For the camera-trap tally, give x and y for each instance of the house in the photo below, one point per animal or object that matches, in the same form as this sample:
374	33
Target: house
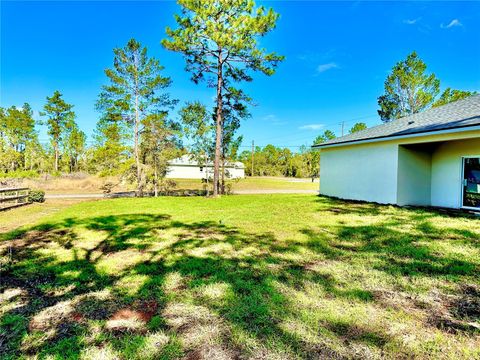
427	159
186	167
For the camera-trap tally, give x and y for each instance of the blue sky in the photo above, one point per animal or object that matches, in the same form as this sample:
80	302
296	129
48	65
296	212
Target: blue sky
337	57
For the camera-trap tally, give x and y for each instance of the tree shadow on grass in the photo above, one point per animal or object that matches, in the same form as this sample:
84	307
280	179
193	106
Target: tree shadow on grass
401	253
195	281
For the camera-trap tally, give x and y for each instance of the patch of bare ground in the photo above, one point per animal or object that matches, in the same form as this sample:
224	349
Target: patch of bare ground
133	318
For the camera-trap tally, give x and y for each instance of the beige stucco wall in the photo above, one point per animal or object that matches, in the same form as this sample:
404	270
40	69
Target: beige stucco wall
414	170
360	172
447	171
390	172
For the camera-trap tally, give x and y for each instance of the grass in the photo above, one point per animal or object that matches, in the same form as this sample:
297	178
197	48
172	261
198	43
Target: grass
257	183
253	276
12	219
93	184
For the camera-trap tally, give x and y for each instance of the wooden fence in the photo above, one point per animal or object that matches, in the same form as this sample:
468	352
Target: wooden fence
13	197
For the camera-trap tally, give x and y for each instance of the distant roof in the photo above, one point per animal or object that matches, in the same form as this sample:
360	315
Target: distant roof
189	160
458	114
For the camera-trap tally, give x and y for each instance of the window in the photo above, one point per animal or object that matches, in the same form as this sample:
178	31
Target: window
471	182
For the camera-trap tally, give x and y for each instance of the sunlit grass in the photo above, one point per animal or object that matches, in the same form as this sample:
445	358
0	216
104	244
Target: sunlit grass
271	276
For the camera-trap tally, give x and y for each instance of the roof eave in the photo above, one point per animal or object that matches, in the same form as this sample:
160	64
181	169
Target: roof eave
394	137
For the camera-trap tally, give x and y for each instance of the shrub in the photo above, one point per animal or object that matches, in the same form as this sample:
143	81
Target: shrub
229	189
36	196
168	185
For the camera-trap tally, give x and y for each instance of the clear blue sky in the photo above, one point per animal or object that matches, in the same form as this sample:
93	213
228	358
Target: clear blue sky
337	57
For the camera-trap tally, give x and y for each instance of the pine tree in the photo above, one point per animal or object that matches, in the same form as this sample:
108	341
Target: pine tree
219	40
450	95
60	115
135	92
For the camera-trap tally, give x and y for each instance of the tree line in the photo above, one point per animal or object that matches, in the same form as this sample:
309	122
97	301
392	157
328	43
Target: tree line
136	134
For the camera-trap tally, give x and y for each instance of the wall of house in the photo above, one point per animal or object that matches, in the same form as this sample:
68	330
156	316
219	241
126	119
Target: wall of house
187	172
360	172
447	171
414	175
195	172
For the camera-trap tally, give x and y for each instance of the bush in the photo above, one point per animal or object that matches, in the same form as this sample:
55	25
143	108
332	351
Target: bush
167	186
36	196
228	189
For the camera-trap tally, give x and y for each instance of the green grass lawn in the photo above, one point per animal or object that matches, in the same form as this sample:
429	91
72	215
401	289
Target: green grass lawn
240	277
257	183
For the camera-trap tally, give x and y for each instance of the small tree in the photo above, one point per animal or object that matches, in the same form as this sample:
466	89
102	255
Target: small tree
74	145
136	91
219	39
327	135
310	161
408	89
110	153
234	111
60	115
159	143
358	127
199	130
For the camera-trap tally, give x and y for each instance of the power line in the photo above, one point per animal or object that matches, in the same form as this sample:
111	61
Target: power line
326	126
279	146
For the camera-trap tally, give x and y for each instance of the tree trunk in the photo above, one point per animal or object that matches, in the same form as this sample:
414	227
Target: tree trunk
206	174
223	174
136	134
55	147
218	128
136	154
136	150
155	180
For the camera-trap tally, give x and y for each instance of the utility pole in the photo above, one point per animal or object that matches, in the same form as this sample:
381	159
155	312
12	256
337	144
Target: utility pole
343	124
253	152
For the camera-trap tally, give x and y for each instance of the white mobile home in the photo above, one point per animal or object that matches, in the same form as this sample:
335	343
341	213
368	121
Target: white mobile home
186	167
427	159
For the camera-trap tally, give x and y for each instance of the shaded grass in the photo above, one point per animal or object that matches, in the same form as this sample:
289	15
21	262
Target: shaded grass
272	276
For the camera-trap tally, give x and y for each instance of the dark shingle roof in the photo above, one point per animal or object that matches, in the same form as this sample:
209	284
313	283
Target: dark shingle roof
458	114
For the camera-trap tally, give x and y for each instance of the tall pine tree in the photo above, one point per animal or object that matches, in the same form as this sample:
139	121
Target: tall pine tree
60	116
219	40
408	89
136	90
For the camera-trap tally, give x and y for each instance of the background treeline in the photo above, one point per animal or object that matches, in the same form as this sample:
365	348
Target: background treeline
22	154
138	133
